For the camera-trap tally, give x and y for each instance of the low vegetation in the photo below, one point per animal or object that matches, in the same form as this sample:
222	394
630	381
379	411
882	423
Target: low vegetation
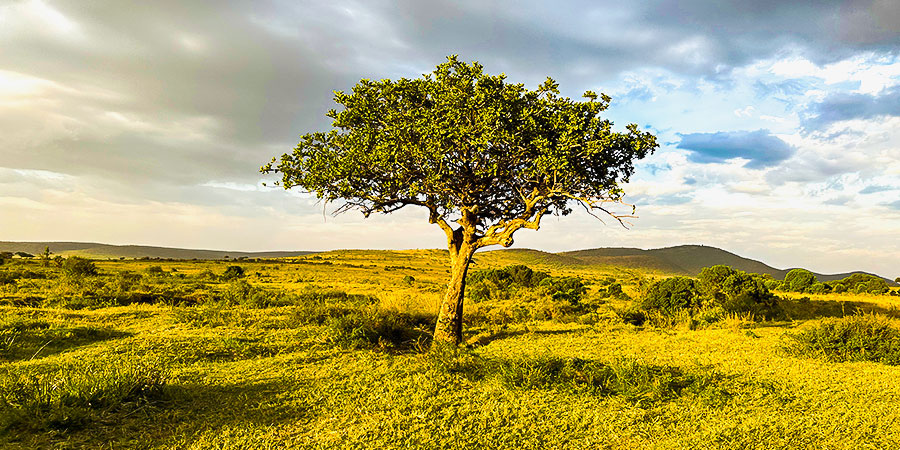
860	337
334	351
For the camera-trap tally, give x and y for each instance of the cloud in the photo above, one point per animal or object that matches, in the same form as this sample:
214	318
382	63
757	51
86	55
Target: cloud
786	87
839	107
877	188
760	147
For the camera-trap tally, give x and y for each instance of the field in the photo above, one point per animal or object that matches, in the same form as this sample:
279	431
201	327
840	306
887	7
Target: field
332	351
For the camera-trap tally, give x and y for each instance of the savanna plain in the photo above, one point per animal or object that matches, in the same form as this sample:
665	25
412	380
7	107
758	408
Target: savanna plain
333	350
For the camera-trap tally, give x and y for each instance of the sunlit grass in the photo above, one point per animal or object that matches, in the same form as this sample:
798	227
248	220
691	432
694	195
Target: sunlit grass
338	364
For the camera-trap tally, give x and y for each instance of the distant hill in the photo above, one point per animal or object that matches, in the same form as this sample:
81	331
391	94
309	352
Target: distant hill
685	260
94	250
679	260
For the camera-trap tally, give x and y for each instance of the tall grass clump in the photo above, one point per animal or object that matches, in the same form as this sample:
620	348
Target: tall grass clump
627	377
377	328
860	337
71	397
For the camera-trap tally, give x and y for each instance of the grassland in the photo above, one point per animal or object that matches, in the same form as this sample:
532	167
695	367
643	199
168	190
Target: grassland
331	351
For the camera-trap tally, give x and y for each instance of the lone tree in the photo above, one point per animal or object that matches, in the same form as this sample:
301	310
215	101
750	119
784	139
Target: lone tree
483	156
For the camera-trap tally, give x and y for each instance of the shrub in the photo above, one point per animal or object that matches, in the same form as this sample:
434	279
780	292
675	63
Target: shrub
565	289
79	267
671	294
387	329
862	337
233	272
799	280
498	284
817	288
633	316
615	291
737	292
155	271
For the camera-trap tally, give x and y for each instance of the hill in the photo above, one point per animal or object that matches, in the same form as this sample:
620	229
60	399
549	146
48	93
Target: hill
95	250
686	260
678	260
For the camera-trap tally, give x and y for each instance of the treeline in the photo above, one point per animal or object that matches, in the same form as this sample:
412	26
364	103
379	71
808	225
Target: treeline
802	280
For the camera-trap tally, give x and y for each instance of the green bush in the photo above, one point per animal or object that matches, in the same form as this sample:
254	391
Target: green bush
863	337
671	294
633	316
233	272
799	280
737	292
79	267
564	289
155	271
500	284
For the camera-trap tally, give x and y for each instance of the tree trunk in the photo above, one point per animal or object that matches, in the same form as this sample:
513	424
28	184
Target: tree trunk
449	322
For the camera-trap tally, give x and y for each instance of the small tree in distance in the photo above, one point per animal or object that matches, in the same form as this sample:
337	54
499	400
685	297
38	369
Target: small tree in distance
484	157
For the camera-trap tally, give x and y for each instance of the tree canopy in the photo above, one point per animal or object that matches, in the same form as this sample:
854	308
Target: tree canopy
485	157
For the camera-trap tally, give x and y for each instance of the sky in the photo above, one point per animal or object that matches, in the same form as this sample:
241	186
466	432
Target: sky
146	122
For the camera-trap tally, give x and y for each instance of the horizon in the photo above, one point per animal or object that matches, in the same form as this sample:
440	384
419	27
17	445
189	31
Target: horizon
779	124
487	249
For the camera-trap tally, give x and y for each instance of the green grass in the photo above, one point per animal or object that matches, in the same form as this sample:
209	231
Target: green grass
312	355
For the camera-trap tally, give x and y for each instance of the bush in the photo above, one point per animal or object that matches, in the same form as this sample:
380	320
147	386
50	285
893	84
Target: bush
737	292
817	288
499	284
862	337
233	272
565	289
671	294
79	267
633	316
155	271
615	291
799	280
860	283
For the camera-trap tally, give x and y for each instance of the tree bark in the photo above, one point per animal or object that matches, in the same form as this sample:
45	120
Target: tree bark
449	323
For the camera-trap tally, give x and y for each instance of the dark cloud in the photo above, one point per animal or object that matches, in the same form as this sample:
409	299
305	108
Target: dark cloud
760	147
183	92
847	106
827	30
